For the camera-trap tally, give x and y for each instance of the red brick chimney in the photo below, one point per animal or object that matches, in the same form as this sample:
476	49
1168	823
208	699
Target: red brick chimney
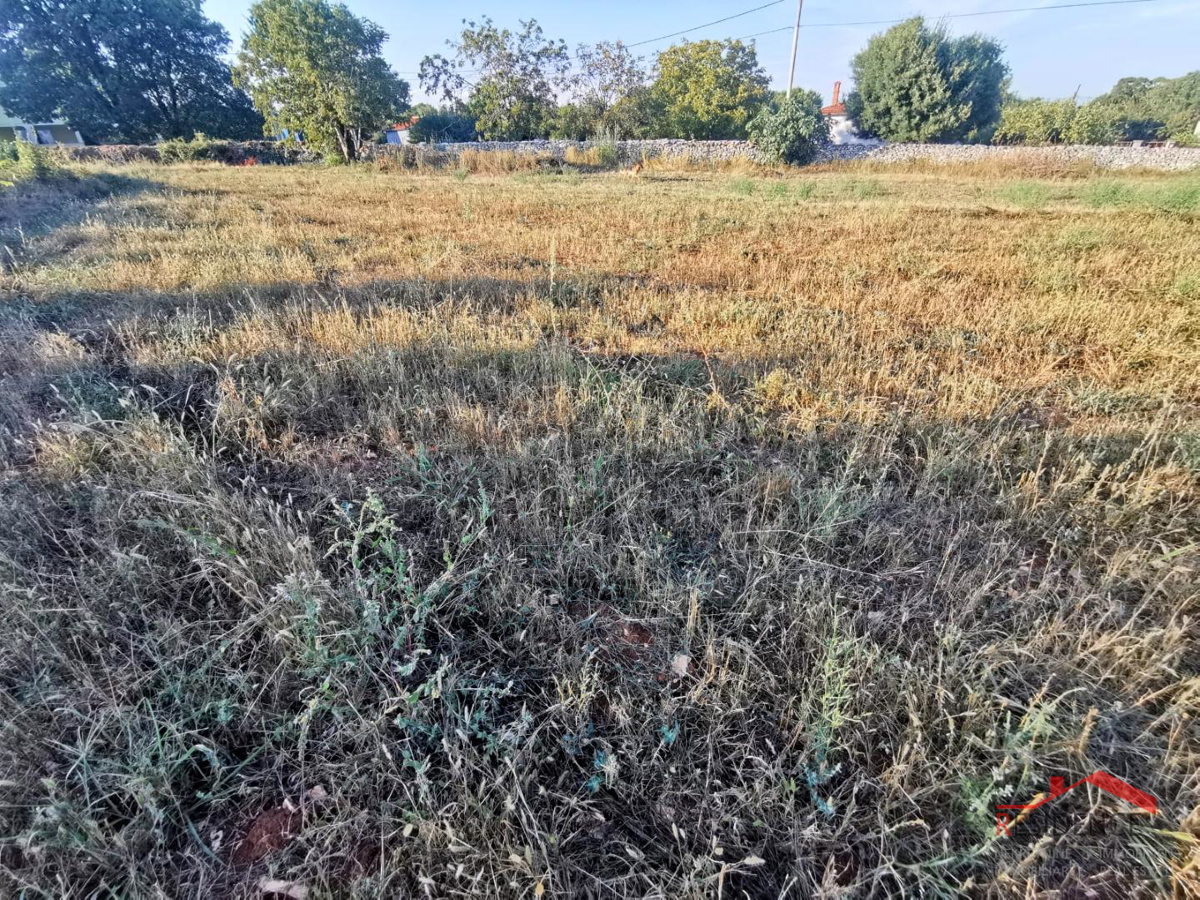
837	92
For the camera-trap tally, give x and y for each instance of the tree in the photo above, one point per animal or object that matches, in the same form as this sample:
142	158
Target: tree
1128	101
1038	121
445	125
709	90
1127	92
607	75
791	130
637	115
915	83
1176	101
572	122
127	70
1156	108
314	67
513	97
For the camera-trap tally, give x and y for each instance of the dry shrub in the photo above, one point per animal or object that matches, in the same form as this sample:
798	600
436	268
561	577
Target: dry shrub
738	165
1023	164
597	156
502	162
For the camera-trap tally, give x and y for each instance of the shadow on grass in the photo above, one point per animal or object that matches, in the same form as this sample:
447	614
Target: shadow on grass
36	209
833	573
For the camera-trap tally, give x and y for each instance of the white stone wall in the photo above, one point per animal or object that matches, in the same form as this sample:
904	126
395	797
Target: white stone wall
1169	159
629	152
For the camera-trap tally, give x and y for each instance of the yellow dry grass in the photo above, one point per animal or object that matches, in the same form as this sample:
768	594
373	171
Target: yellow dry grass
664	534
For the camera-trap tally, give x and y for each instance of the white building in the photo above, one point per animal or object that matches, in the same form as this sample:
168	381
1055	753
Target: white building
398	133
13	129
841	129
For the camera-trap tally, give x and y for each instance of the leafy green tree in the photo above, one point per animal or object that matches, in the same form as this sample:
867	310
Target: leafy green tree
314	67
607	74
446	125
792	129
639	114
1128	92
1037	121
513	96
1176	101
572	122
708	90
916	83
1156	108
1128	101
121	70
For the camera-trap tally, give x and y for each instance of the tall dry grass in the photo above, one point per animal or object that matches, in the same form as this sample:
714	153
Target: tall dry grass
680	535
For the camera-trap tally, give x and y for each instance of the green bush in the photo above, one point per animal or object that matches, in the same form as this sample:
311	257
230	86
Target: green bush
606	154
793	131
442	127
23	162
33	164
1039	121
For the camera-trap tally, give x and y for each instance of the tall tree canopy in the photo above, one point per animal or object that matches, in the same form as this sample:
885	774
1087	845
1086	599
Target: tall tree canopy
512	92
127	70
605	78
916	83
1156	107
709	90
314	67
606	74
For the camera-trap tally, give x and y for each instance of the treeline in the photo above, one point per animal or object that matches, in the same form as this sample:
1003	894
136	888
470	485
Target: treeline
1136	109
138	70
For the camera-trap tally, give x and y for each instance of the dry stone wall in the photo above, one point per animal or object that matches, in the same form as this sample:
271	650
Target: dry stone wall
629	152
1167	159
1171	159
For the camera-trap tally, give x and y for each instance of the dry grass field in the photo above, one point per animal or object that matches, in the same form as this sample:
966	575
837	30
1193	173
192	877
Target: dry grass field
691	534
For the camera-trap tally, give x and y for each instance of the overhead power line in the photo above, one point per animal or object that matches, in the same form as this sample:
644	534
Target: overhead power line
987	12
705	25
967	15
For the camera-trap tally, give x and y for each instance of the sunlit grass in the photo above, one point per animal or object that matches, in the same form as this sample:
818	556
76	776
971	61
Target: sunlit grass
522	531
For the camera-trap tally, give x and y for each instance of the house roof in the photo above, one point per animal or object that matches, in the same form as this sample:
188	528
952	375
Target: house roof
404	126
835	107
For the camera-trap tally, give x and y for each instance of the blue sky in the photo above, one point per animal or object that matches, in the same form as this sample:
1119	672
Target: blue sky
1051	52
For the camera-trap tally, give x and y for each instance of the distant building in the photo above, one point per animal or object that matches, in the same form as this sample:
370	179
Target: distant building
398	133
56	132
841	129
836	109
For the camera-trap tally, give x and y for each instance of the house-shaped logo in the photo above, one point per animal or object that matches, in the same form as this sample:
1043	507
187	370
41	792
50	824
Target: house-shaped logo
1111	784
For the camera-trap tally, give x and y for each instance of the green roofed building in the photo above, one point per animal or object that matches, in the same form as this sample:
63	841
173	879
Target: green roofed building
57	132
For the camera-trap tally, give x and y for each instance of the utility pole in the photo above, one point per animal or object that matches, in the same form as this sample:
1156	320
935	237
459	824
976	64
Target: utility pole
795	45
